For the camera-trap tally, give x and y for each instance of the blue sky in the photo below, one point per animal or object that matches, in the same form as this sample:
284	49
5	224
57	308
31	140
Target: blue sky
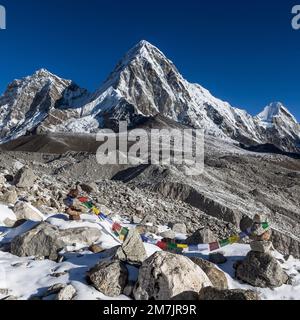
245	52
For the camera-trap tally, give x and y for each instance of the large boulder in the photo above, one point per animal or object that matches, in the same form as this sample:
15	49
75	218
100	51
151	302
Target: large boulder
285	244
24	210
178	228
25	178
210	293
201	236
42	241
47	240
165	276
109	277
261	246
215	275
133	249
261	270
83	235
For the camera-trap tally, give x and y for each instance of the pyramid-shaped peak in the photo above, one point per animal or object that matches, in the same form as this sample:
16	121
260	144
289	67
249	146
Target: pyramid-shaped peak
274	109
143	49
145	43
43	72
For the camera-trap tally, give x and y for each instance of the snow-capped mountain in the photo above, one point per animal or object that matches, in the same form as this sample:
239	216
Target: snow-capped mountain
143	84
146	83
28	102
280	127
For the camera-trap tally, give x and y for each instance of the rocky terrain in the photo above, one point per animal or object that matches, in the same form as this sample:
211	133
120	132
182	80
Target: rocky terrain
48	145
156	200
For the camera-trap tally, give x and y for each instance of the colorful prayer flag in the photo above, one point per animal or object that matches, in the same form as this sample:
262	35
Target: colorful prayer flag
243	235
182	246
172	246
96	211
162	245
83	199
224	242
124	232
214	246
265	225
234	239
202	247
193	247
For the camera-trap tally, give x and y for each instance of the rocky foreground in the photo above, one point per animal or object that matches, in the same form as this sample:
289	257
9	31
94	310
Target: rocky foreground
45	256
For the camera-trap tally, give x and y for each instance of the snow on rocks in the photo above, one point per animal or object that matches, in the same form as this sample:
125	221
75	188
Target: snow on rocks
46	240
24	210
166	276
6	213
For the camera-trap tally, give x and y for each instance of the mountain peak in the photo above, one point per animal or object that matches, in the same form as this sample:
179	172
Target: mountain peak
273	110
144	43
44	73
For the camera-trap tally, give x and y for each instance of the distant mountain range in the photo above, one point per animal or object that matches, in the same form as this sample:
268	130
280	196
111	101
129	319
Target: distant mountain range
144	84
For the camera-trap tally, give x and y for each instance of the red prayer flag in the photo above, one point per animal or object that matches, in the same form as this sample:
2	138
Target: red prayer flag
83	199
162	245
214	246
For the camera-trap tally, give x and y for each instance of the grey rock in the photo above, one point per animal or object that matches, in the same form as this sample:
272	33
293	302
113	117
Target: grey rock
261	246
10	196
148	219
285	244
261	270
132	250
66	293
25	178
215	275
210	293
2	180
167	276
135	220
46	240
23	210
109	277
89	188
179	228
201	236
170	234
56	288
217	258
9	223
128	290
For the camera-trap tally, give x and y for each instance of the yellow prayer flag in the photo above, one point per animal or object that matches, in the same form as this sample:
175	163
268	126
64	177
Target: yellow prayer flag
234	239
182	246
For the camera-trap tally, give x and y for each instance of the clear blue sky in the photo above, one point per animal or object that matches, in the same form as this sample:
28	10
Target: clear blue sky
242	51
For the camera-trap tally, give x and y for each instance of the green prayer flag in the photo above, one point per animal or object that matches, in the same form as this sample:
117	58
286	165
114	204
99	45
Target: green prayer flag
224	242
